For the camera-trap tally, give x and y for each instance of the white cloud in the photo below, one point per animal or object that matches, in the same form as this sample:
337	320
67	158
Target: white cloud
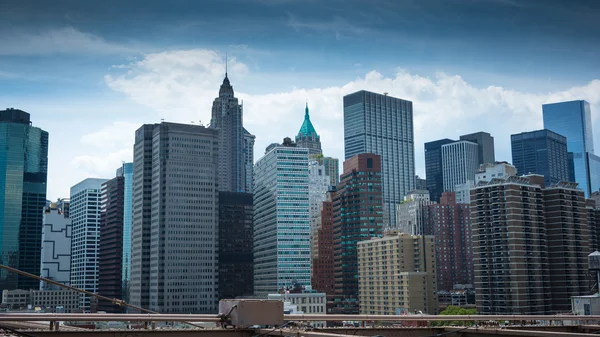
14	41
180	86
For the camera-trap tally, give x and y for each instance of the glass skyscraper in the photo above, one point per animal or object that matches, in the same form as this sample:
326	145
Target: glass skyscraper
573	120
433	168
23	175
126	171
383	125
541	152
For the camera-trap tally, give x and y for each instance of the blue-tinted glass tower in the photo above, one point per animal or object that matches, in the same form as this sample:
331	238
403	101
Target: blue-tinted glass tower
23	175
383	125
573	120
541	152
433	168
126	171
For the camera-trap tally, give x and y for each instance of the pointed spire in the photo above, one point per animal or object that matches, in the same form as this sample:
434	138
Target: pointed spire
307	129
306	111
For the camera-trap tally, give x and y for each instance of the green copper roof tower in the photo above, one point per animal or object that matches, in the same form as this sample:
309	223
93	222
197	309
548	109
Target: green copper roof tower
307	136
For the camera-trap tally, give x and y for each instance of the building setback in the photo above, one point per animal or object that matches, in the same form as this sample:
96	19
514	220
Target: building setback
357	216
56	245
281	218
110	258
322	254
383	125
541	152
485	150
175	218
397	275
23	176
236	269
85	209
433	168
450	224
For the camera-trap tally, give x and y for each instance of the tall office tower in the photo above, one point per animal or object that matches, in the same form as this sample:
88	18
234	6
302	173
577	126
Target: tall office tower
568	238
420	184
383	125
541	152
433	168
249	159
485	142
318	185
56	246
307	136
126	171
175	218
236	267
450	224
23	175
332	168
281	218
110	255
509	246
573	120
409	215
397	275
459	163
85	210
357	215
322	266
227	117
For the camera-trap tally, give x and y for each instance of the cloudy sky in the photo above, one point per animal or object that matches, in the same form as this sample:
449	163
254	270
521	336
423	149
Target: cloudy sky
91	72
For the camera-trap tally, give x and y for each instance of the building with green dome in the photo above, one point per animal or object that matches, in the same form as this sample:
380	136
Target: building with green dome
307	136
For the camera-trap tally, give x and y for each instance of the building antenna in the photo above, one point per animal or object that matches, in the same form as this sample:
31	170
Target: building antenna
225	64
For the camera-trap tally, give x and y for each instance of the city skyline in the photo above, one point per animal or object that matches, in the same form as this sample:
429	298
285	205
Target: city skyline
73	71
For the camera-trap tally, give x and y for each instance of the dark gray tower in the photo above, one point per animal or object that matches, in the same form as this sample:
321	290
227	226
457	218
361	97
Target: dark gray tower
486	146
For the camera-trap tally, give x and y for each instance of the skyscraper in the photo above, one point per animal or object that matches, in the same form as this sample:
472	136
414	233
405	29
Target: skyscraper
322	244
433	168
249	159
110	255
56	245
85	212
573	120
357	216
541	152
281	218
23	175
485	142
409	215
234	140
383	125
175	218
459	163
236	265
126	171
332	168
318	185
307	136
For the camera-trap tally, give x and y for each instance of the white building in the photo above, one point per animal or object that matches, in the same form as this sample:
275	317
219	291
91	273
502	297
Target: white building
460	161
281	218
306	302
84	210
318	184
56	245
409	213
487	172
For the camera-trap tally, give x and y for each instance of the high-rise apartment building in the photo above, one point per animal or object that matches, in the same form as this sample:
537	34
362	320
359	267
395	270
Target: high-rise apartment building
307	136
281	218
450	224
56	245
593	220
322	254
574	121
485	142
110	255
175	218
541	152
318	185
234	141
126	171
332	168
383	125
459	163
568	239
85	211
409	215
236	269
433	168
357	216
510	246
397	275
23	175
